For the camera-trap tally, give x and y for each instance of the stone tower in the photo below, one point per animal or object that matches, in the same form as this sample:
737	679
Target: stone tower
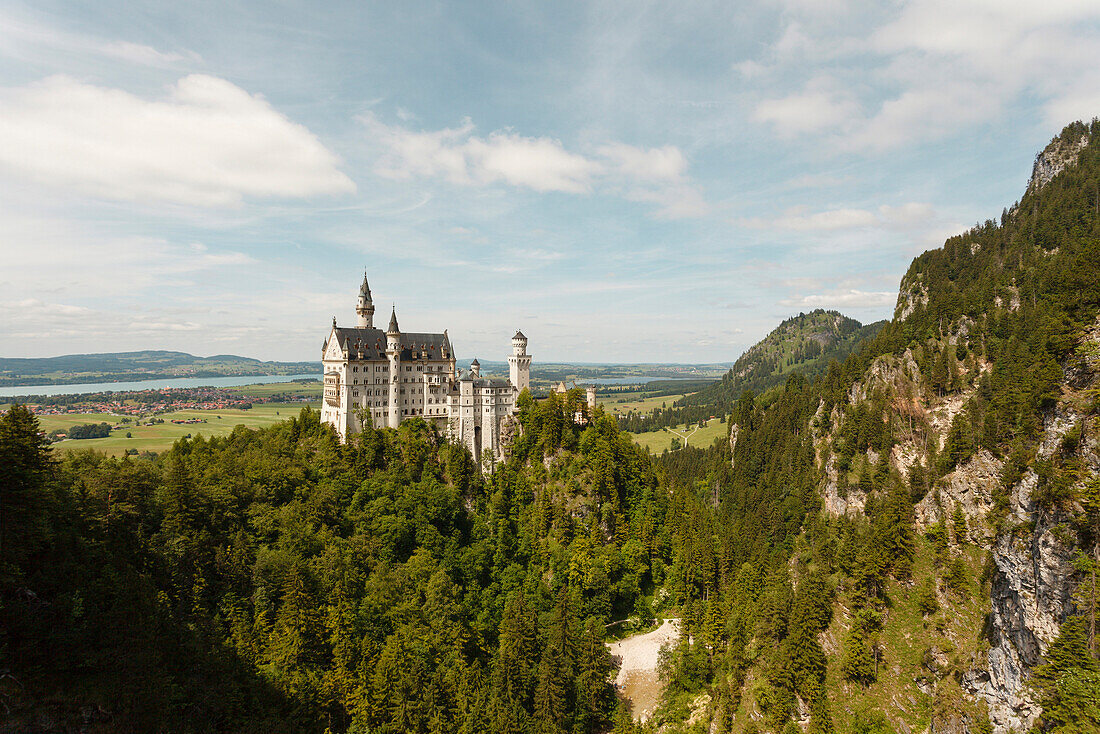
393	352
519	363
364	306
591	396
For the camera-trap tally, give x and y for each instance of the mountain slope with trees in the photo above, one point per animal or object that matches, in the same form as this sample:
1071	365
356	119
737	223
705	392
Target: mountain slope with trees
806	344
920	524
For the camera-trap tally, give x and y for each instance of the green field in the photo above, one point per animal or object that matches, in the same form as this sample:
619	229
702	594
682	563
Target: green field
624	402
161	436
658	441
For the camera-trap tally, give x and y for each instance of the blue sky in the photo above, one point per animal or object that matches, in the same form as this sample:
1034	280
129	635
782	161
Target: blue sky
656	182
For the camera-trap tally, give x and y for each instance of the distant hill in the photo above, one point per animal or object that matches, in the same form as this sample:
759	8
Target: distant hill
805	343
149	364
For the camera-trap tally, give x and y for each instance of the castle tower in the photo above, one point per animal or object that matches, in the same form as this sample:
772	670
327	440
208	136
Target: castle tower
519	363
475	368
364	306
393	352
591	395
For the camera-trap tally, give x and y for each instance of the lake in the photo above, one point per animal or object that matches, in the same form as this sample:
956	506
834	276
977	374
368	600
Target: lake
232	381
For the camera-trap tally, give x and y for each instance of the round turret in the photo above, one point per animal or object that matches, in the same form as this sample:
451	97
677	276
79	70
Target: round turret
519	344
475	368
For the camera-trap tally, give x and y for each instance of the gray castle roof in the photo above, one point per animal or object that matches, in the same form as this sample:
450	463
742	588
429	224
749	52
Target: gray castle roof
519	335
393	322
372	344
364	290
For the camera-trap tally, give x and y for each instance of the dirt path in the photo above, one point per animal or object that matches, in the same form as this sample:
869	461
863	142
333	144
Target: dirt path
637	679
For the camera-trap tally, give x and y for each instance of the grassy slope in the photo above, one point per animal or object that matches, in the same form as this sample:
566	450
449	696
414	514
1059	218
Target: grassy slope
908	641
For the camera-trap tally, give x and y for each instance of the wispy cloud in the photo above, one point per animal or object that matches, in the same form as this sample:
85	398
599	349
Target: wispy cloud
906	216
926	70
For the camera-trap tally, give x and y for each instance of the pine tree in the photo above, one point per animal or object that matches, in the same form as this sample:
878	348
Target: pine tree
1068	682
858	663
25	468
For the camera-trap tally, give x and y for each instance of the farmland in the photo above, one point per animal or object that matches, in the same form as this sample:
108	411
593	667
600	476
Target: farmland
160	436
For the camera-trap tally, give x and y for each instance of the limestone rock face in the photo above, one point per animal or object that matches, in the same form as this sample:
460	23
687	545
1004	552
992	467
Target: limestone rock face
1055	158
1031	593
971	488
510	430
912	294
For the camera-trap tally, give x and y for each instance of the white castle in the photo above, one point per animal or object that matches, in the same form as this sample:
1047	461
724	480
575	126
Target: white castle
389	376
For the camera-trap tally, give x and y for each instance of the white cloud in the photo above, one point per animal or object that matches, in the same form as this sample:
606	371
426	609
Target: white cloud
842	298
541	164
882	78
810	110
210	143
457	155
138	53
912	215
675	202
653	164
28	40
796	219
652	175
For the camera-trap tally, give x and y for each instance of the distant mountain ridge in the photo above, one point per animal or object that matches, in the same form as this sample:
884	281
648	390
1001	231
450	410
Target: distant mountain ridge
147	364
804	344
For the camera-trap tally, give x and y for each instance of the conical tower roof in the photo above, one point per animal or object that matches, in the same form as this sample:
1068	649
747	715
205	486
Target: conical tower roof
393	328
364	290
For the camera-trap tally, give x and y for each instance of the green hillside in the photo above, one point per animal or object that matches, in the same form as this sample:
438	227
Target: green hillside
144	365
805	344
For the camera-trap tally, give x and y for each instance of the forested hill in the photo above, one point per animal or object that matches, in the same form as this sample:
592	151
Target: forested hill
144	365
931	507
804	344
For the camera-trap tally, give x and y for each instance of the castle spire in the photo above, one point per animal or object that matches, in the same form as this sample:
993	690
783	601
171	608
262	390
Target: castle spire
393	323
364	306
364	290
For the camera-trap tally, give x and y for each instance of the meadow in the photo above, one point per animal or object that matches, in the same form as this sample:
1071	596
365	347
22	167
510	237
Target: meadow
639	400
658	441
161	436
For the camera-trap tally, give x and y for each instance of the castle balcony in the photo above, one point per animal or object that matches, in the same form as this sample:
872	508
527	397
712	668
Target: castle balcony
332	388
